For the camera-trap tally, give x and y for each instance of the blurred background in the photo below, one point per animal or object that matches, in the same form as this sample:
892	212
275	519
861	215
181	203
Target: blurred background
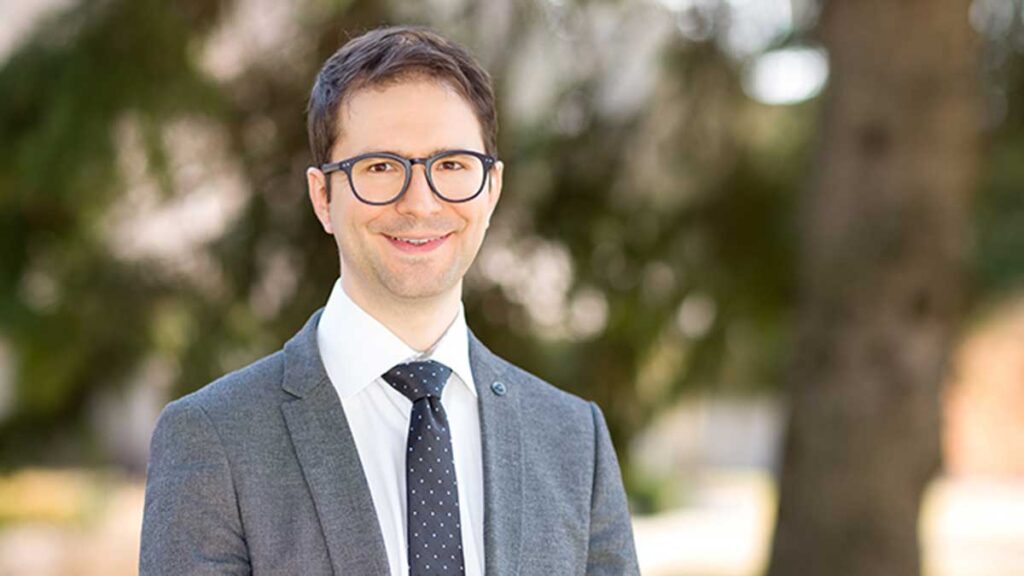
780	242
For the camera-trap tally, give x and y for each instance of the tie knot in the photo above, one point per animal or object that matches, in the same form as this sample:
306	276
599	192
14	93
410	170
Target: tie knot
418	379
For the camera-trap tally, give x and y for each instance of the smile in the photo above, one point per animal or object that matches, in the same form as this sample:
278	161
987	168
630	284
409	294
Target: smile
417	244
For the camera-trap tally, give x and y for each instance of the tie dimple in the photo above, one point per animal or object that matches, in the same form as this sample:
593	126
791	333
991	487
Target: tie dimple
416	380
433	526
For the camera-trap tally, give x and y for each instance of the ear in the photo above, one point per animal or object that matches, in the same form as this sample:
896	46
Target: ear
494	183
316	182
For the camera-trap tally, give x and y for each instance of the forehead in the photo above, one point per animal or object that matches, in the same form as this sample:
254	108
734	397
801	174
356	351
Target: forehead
413	117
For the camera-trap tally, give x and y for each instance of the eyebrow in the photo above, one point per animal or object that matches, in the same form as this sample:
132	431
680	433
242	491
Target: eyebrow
403	155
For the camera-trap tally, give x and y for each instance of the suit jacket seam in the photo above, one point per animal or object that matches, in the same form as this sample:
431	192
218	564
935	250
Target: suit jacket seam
595	436
231	472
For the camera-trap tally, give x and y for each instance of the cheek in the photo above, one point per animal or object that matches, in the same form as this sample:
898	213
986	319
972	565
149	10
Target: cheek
348	217
475	227
349	224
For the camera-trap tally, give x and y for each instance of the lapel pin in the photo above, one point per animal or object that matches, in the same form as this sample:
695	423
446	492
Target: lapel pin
499	388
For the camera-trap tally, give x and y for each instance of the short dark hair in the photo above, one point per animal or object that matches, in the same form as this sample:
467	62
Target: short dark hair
387	55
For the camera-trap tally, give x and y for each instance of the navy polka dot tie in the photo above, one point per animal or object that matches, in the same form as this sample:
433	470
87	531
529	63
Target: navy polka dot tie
432	514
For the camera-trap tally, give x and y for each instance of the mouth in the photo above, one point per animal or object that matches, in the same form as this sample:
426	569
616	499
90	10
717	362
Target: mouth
417	244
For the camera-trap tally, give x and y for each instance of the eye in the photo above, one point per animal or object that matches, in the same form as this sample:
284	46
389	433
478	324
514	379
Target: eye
380	167
449	164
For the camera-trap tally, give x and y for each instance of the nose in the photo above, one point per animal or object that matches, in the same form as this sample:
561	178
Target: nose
419	199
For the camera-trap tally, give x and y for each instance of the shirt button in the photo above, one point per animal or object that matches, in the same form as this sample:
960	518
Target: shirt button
499	388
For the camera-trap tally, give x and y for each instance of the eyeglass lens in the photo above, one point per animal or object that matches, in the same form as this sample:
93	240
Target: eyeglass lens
455	177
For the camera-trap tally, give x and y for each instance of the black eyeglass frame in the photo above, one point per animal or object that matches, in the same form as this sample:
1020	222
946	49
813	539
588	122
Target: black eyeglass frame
346	165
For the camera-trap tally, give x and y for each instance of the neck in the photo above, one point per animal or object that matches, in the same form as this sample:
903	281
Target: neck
419	322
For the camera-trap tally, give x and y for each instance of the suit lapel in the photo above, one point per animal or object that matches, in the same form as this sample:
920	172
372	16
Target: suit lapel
329	460
502	461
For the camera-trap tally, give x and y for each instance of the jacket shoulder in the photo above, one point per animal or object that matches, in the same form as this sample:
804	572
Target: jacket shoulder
535	385
252	387
543	400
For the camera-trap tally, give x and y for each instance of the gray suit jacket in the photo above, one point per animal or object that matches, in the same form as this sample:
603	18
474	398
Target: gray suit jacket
258	473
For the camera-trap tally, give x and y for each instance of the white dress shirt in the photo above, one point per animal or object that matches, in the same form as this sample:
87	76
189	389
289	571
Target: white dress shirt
356	350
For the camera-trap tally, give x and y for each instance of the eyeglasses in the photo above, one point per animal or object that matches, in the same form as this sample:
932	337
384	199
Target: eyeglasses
380	178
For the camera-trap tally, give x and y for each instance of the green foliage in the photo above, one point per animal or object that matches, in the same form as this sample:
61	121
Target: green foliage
76	316
999	216
647	216
685	201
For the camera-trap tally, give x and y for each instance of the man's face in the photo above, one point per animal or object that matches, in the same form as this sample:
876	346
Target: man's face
414	118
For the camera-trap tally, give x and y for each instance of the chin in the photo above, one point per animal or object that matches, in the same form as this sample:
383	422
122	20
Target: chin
419	288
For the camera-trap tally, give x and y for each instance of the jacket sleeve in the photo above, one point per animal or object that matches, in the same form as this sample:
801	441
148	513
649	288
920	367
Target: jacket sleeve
611	549
191	523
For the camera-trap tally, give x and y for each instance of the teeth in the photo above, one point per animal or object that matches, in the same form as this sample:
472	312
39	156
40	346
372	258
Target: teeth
416	242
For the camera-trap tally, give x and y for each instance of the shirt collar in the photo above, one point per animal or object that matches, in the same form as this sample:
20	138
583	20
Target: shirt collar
357	349
452	350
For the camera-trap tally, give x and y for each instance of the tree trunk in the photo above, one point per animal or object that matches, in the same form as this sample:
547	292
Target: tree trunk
884	223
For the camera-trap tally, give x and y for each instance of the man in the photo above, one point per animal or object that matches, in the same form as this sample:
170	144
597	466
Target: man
385	438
